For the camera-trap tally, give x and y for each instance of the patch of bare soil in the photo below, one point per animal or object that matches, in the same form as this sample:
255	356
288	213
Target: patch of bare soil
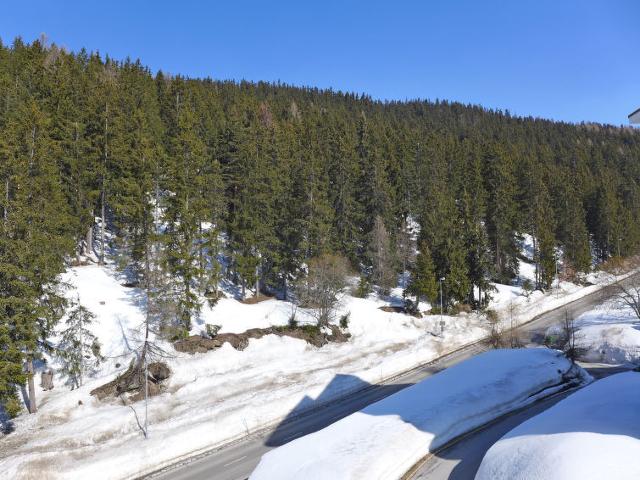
253	300
310	334
396	309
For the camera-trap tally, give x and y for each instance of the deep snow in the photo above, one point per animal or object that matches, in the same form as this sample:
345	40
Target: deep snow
593	434
608	334
222	395
387	438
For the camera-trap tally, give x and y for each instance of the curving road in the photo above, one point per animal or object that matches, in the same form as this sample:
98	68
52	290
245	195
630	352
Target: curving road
237	461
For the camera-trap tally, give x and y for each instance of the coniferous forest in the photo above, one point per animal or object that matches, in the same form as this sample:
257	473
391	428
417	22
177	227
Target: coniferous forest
195	180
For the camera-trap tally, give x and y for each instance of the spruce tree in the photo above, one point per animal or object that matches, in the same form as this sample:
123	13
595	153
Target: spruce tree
79	348
423	283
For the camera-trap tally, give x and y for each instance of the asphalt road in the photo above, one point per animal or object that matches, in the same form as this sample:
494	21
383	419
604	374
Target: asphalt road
237	461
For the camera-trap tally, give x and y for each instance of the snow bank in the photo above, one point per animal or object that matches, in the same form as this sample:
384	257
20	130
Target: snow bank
617	343
609	334
211	398
592	434
219	396
388	437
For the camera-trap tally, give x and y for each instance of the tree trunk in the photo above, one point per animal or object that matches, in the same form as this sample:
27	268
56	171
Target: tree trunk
6	200
284	287
32	387
88	248
257	281
102	227
104	175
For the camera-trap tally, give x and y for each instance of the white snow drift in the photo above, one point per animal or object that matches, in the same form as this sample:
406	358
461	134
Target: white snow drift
592	434
219	396
609	334
388	437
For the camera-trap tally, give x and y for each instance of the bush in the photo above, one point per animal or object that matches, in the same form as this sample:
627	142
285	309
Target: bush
212	330
213	297
323	286
411	307
13	407
175	333
344	320
527	288
363	289
461	308
492	316
311	329
496	334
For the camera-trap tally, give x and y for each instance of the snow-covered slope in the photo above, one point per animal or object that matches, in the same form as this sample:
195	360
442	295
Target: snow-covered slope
219	396
592	434
387	438
211	398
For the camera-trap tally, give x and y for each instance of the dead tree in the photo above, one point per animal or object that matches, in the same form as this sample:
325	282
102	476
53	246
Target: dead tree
627	294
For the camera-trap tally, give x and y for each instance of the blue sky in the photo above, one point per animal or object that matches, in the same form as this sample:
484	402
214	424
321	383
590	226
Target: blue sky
569	60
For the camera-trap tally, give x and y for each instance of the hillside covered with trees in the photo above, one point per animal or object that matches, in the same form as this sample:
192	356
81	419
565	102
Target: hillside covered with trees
202	179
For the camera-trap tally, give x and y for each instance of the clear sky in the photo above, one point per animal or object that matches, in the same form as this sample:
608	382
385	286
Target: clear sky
570	60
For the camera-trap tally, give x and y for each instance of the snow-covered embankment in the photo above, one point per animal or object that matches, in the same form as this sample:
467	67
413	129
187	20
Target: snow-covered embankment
388	437
592	434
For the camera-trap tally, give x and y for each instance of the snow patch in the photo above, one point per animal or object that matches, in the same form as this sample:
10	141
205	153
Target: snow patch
592	434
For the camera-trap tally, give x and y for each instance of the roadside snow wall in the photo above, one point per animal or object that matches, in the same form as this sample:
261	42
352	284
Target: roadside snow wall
384	440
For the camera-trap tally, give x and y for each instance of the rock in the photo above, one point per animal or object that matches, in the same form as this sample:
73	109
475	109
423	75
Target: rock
158	372
237	341
132	382
197	344
240	341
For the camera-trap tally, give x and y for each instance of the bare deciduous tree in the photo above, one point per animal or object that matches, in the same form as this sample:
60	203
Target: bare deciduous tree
383	273
627	294
570	337
322	288
496	332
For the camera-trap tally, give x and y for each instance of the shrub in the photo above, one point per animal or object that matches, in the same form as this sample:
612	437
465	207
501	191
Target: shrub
323	286
311	329
411	307
496	334
461	308
212	330
175	333
527	288
344	320
13	407
213	297
364	288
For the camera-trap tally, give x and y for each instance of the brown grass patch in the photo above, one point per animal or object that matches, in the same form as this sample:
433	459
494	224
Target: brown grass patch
253	300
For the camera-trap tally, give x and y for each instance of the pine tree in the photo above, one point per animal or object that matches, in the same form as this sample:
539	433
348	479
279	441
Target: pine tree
423	283
501	211
79	349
